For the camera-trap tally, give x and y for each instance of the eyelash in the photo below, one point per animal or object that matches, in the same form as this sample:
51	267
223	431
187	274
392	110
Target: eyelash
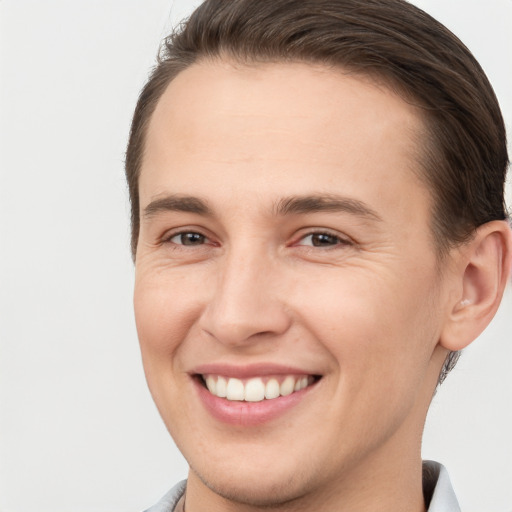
338	240
203	239
168	239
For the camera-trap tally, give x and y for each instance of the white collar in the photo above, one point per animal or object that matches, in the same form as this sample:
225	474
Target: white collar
436	483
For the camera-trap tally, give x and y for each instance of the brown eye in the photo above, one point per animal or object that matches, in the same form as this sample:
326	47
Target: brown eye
322	240
188	238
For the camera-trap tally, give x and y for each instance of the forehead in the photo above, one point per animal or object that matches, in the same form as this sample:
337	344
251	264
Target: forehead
304	126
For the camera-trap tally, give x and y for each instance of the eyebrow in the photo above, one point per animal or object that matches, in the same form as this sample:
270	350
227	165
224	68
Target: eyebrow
325	203
286	206
176	203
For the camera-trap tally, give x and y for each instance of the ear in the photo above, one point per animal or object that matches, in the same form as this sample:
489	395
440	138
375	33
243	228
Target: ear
483	267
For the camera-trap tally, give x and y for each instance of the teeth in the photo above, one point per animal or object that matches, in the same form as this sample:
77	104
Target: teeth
301	384
222	385
255	389
287	386
211	384
272	389
235	390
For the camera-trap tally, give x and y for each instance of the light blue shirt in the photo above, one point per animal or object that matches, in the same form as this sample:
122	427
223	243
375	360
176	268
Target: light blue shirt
436	483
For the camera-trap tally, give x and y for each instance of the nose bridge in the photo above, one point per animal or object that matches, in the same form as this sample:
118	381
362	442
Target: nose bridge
246	299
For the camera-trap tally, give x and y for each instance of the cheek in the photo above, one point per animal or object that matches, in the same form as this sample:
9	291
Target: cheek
165	308
374	323
380	338
164	316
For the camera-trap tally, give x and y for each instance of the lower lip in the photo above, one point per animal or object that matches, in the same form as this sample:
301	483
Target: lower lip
248	413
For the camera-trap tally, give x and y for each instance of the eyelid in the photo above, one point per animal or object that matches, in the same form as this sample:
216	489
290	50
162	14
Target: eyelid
343	240
170	234
202	238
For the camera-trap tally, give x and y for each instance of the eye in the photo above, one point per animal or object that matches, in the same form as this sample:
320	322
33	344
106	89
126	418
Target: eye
322	240
188	238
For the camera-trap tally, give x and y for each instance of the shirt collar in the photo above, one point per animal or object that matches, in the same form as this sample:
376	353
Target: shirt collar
437	488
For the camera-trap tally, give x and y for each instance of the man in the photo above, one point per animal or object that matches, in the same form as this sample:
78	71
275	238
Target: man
318	230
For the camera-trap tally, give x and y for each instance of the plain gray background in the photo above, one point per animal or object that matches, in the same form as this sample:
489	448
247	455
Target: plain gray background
78	430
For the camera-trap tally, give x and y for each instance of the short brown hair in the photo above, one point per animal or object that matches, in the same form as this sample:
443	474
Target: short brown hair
463	150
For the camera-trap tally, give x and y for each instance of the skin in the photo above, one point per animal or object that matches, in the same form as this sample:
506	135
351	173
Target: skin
365	309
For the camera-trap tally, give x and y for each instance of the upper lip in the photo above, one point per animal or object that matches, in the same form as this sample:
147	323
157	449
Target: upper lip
249	370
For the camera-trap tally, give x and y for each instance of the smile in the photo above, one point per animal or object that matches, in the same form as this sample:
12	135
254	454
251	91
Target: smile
252	395
255	389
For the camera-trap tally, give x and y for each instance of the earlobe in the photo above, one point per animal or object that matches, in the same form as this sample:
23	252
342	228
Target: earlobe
484	268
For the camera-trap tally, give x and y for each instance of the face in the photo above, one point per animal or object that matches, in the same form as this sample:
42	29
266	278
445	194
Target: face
285	260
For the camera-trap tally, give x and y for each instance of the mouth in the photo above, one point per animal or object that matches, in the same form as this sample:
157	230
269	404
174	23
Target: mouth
255	389
253	395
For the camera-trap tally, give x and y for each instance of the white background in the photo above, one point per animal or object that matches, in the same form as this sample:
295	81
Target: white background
78	430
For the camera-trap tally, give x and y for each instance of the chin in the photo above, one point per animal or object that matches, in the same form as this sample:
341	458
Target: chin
262	488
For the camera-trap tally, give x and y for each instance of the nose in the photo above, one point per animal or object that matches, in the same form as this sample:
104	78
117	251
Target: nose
246	303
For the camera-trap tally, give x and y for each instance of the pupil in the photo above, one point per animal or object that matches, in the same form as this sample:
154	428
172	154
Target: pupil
323	239
192	239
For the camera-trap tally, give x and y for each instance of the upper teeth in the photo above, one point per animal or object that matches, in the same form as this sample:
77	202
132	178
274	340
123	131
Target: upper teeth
255	389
